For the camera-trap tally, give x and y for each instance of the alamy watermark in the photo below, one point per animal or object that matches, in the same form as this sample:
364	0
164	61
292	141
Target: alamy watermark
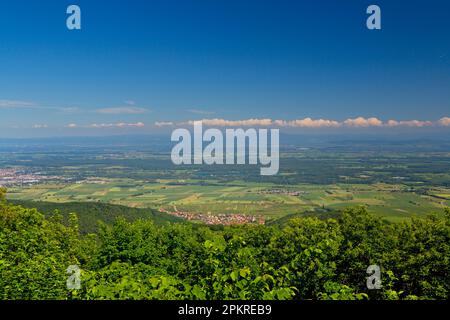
374	279
74	280
73	21
240	147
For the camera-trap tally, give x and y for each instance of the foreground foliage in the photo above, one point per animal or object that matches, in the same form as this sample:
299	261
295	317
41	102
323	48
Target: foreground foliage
306	258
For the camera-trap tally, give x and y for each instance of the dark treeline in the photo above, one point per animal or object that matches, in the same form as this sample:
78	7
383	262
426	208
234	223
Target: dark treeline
303	258
89	214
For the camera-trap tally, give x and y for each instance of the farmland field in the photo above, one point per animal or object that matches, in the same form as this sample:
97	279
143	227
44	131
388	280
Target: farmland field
394	185
392	201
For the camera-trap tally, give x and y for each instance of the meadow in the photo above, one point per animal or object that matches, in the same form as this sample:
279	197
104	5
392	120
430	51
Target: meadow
273	201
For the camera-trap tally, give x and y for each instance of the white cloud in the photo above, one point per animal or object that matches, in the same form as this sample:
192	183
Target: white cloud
72	125
307	123
122	110
235	123
39	126
117	125
408	123
19	104
445	121
163	123
298	123
363	122
7	104
123	124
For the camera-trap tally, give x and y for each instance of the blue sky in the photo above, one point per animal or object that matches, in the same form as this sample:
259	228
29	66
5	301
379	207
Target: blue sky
135	63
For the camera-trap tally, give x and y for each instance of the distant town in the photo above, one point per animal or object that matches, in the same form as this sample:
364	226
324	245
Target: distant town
22	177
216	219
284	192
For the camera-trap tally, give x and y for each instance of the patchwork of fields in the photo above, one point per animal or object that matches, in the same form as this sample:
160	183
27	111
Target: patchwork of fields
394	179
238	197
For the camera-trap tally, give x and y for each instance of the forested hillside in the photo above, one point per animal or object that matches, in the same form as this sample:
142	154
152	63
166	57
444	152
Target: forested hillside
304	258
91	213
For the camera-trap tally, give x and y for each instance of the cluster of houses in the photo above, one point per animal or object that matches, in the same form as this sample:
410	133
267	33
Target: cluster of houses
217	219
12	177
284	192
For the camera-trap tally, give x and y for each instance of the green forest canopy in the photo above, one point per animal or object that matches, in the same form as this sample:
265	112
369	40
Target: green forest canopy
304	258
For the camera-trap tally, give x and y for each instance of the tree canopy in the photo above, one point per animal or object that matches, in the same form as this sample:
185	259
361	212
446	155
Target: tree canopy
305	258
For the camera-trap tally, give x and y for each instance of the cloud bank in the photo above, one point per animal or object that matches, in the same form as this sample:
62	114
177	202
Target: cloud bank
358	122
